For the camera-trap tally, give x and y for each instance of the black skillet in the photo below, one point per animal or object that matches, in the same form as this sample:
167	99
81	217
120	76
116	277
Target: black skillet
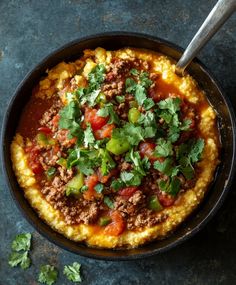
216	97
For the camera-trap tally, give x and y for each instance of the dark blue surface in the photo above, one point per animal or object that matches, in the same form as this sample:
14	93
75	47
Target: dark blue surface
29	30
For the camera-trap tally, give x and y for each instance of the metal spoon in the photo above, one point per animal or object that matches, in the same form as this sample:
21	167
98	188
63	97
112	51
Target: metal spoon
218	15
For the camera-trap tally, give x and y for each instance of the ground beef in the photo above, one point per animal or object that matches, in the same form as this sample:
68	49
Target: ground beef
145	218
49	159
47	117
65	174
131	206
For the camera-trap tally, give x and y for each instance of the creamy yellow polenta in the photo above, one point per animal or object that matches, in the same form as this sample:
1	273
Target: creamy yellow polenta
186	202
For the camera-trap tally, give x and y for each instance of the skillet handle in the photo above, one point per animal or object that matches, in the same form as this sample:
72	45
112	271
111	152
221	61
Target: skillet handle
218	15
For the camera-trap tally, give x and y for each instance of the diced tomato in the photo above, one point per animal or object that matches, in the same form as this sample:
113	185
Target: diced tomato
55	120
127	192
96	121
117	226
147	149
45	130
91	182
33	159
105	178
104	132
165	199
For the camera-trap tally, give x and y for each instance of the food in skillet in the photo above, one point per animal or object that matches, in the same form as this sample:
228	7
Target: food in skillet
114	149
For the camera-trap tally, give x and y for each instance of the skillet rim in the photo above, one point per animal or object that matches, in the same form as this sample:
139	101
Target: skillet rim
44	229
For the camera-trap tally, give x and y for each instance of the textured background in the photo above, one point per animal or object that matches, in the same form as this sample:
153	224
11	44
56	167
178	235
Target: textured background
29	30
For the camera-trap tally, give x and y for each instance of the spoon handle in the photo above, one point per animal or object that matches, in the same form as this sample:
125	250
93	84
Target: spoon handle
218	15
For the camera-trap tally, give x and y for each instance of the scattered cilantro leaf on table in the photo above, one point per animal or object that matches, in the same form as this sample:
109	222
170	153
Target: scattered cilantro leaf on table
21	242
72	272
20	246
18	258
48	274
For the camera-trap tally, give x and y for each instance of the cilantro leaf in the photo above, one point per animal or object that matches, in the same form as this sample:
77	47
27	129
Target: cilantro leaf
134	134
171	186
164	148
18	258
170	104
72	272
187	171
48	274
84	159
70	119
120	99
185	126
88	136
173	134
134	72
131	178
139	89
140	165
108	110
99	188
126	176
103	112
167	167
117	184
107	163
108	202
148	103
95	79
140	94
196	150
92	96
187	154
130	85
144	80
96	76
21	242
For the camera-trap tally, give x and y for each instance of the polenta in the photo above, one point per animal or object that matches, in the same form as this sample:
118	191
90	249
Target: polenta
114	149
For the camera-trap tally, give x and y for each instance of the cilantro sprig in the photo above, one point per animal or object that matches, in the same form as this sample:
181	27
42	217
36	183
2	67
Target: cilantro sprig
48	274
108	110
72	272
20	254
138	88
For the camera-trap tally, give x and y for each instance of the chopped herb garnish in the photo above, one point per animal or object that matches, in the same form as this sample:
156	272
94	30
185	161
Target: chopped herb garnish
139	88
164	148
108	202
108	110
166	167
107	163
120	99
99	188
88	136
70	117
117	184
171	186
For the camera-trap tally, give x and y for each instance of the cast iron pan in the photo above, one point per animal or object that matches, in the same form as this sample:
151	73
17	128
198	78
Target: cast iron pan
216	97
